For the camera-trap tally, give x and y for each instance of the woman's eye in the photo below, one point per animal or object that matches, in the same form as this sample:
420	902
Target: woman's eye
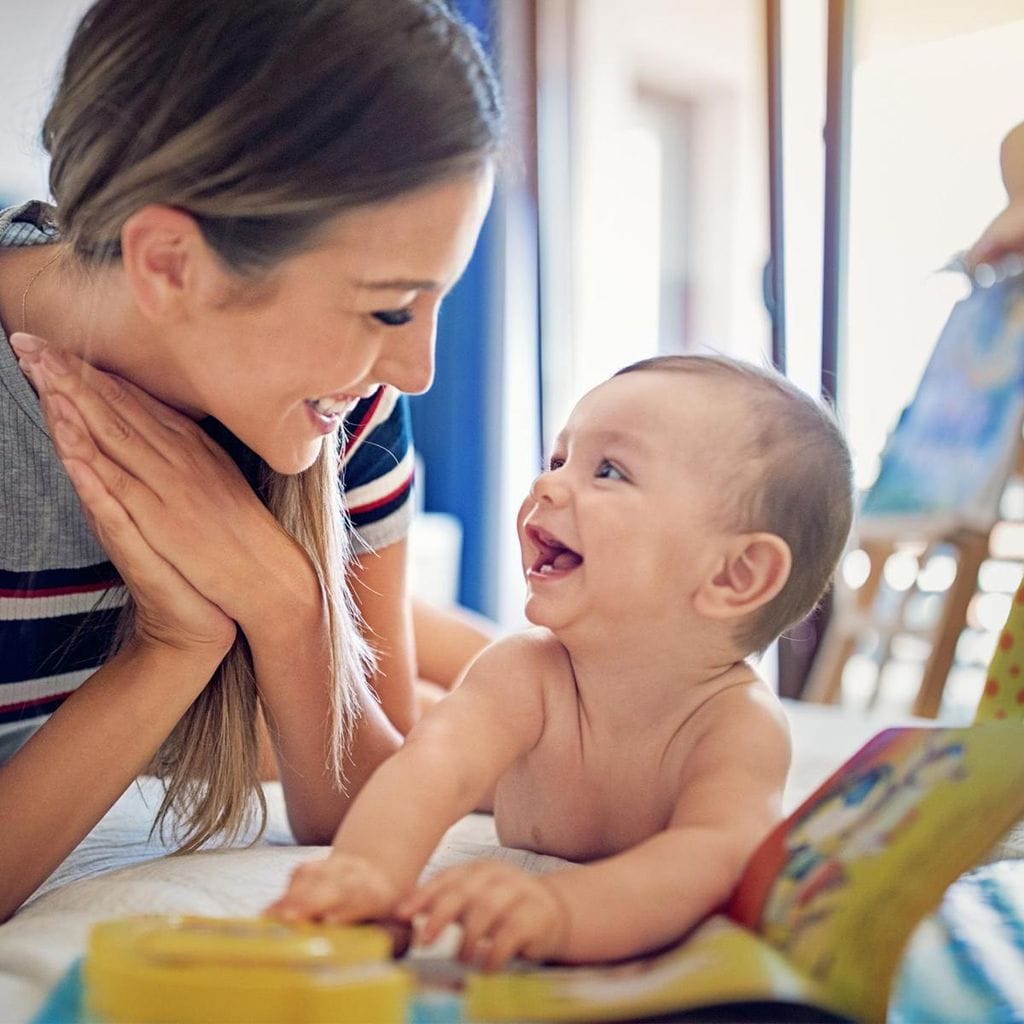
393	317
609	471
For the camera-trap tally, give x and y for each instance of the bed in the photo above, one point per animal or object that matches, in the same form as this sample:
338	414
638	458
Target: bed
119	869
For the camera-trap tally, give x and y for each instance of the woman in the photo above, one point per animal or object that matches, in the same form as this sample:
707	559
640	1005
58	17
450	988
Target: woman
259	207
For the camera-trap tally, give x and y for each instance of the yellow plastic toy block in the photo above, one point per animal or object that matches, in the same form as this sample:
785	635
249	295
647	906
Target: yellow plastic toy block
188	970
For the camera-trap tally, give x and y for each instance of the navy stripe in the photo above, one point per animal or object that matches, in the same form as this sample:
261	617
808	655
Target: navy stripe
380	512
380	451
45	579
33	648
40	710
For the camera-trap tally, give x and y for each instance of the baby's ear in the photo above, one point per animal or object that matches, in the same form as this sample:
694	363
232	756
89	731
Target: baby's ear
754	567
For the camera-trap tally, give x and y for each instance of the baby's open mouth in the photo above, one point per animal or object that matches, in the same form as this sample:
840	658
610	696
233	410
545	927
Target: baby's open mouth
553	555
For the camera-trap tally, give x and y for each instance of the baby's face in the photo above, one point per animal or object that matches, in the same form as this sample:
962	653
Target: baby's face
627	519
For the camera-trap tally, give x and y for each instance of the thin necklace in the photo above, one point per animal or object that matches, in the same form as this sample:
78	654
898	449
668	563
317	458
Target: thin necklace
24	298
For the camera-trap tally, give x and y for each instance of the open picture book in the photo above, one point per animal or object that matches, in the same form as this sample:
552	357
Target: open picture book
828	902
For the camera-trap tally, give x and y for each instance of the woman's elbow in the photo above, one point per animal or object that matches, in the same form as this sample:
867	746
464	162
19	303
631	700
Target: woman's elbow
312	833
10	904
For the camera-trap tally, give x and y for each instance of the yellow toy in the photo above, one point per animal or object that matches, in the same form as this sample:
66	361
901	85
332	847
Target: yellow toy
187	970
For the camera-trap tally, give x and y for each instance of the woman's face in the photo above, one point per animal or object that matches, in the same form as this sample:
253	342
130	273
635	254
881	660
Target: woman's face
332	323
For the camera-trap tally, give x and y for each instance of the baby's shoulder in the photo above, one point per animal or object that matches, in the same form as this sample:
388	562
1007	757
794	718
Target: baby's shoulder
748	715
531	652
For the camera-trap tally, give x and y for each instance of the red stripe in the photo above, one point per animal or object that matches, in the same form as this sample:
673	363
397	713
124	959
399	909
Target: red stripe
369	416
371	505
21	706
82	588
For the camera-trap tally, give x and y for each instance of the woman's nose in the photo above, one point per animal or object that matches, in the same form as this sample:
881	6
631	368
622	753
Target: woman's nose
407	363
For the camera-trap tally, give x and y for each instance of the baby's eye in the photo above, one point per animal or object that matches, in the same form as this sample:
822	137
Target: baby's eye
393	317
556	462
609	471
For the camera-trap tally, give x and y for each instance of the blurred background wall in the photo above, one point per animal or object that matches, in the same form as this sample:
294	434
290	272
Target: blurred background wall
632	218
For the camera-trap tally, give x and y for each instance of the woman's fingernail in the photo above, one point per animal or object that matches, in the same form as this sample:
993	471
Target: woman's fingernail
54	361
25	343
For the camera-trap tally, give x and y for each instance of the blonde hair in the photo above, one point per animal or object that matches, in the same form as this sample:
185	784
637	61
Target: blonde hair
262	119
801	487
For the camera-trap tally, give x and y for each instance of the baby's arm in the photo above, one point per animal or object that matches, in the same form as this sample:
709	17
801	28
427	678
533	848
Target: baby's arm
730	796
451	759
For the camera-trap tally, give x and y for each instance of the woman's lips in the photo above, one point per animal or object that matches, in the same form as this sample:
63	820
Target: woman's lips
327	418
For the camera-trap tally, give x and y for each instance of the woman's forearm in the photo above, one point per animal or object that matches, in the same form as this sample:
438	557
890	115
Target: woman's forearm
291	658
69	774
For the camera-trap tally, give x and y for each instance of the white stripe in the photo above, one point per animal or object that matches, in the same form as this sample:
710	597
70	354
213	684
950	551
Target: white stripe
383	485
384	409
22	608
45	686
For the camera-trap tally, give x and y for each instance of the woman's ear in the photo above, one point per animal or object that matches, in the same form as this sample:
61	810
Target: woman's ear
166	261
753	569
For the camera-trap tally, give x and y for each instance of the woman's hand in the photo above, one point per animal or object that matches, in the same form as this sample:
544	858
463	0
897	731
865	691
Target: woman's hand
504	912
169	506
1003	237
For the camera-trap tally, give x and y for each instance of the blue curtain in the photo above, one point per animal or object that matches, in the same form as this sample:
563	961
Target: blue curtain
454	424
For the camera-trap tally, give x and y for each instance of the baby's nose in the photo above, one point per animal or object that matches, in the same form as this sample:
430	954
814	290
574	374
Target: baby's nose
548	487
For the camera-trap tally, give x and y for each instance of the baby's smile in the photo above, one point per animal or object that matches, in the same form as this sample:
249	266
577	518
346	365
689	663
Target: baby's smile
553	557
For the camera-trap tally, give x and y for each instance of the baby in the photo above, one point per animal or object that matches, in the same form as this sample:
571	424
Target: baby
693	508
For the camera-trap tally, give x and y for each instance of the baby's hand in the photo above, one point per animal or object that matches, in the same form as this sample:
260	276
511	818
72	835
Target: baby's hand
504	912
340	889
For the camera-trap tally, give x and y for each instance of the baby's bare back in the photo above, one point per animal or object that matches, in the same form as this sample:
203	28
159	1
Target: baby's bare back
587	791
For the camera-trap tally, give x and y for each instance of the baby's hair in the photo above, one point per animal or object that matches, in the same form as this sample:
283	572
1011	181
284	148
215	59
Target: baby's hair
795	476
262	120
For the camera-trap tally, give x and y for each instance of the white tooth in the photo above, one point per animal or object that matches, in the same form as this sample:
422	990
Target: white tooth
544	569
329	407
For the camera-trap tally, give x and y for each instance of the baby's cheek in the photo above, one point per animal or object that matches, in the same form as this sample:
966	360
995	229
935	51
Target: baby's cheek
524	511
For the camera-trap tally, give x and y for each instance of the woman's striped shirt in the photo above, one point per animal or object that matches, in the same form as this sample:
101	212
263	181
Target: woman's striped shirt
59	595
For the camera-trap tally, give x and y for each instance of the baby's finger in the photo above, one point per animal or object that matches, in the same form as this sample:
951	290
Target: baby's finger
445	909
483	914
423	896
512	935
358	905
305	901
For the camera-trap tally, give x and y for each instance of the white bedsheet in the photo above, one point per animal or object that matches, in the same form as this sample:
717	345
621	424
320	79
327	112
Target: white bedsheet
118	869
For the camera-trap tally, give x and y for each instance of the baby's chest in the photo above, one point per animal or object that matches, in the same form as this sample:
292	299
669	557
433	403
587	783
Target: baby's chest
560	805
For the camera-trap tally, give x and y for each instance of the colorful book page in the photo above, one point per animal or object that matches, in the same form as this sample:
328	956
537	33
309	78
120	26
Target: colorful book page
718	964
838	888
